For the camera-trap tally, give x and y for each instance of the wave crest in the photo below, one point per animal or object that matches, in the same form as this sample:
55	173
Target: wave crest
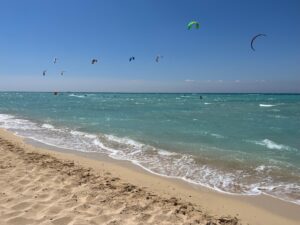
272	145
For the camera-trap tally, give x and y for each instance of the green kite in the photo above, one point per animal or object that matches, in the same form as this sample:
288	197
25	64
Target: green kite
193	23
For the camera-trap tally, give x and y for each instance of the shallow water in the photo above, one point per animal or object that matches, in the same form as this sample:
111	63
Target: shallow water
234	143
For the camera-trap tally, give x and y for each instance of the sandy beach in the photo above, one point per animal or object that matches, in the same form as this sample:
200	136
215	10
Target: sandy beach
41	186
150	112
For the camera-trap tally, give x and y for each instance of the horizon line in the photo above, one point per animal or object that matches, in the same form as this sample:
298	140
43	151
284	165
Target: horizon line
121	92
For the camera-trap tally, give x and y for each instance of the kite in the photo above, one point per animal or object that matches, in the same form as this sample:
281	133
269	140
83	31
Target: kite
158	58
193	23
254	38
94	61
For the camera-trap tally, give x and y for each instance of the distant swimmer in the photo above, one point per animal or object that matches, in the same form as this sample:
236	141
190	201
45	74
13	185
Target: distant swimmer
94	61
201	97
44	72
55	60
62	73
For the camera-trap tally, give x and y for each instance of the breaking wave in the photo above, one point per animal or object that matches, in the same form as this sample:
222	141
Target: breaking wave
162	162
266	105
272	145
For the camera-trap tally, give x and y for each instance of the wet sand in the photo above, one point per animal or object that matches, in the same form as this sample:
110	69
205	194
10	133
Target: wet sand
43	186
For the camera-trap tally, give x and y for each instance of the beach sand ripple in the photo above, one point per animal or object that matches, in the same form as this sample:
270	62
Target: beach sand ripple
37	188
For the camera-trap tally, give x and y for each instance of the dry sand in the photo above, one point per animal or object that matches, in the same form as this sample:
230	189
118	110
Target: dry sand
39	186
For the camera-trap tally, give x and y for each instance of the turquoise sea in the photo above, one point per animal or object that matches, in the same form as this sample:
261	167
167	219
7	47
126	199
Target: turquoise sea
235	143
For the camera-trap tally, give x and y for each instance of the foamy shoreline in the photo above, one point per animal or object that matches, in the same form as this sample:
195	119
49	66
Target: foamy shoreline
160	162
252	210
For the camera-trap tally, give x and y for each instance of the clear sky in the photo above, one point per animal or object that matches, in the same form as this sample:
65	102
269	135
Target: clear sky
215	58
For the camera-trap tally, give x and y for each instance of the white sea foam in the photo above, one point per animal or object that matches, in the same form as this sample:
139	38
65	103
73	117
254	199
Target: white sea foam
207	103
167	153
272	145
206	133
79	133
4	117
77	96
10	122
97	142
263	168
48	126
260	168
217	135
124	140
266	105
157	161
279	116
276	110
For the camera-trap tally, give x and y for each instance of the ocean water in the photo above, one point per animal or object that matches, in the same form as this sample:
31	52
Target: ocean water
244	144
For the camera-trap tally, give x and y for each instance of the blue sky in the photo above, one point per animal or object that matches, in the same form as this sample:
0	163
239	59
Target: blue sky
215	58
